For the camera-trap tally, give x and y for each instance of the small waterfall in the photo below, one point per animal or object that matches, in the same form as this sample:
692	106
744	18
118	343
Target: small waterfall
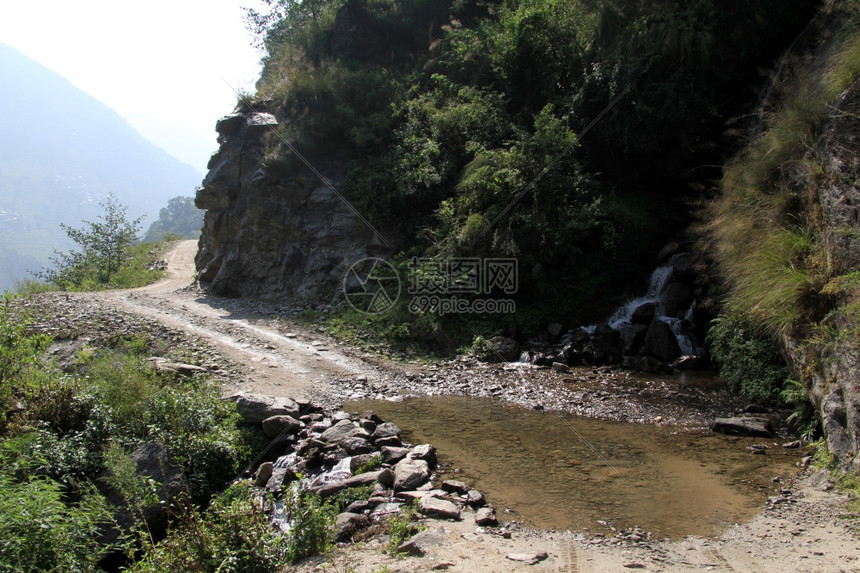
658	284
656	287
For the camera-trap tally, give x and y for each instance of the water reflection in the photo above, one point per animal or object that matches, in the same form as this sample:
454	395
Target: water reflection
567	472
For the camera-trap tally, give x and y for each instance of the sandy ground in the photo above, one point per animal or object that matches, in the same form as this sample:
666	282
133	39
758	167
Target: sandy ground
806	528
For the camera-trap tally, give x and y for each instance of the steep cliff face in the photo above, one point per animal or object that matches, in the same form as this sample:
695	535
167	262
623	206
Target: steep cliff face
832	370
280	231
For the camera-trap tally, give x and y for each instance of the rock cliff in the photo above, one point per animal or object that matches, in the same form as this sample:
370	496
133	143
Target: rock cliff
279	230
831	371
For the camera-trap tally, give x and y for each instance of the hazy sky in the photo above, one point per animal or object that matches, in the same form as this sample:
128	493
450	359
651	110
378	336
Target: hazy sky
170	67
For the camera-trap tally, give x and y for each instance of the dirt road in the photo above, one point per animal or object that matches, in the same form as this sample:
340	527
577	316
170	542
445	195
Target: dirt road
806	528
295	364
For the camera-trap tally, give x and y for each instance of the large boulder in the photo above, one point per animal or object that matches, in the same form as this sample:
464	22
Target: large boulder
661	342
500	349
341	431
438	508
151	461
274	426
254	408
409	474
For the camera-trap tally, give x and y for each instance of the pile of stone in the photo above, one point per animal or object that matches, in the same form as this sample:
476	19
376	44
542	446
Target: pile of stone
336	451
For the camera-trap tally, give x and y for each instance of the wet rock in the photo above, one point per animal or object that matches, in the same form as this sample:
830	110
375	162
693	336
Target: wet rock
355	446
409	474
605	342
691	362
439	508
263	474
744	426
340	431
475	497
486	516
419	544
660	341
644	313
386	430
424	452
276	425
501	349
368	426
329	489
279	477
391	441
254	408
454	486
393	454
559	367
362	459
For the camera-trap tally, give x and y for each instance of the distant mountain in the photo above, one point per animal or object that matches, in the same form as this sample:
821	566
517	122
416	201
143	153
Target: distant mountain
61	152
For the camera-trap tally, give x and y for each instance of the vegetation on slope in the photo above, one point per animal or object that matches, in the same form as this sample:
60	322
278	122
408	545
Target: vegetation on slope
768	233
180	219
568	134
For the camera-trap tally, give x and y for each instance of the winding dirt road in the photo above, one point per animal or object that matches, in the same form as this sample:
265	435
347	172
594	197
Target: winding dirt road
804	530
294	364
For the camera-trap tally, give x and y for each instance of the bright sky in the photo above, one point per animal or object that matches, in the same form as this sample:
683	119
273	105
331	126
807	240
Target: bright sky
170	67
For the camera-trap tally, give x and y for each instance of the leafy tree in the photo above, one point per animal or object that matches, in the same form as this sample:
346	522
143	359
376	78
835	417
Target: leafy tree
181	217
104	248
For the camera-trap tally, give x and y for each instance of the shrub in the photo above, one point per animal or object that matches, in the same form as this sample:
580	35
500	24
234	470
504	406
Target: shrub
312	524
233	535
19	349
40	530
748	360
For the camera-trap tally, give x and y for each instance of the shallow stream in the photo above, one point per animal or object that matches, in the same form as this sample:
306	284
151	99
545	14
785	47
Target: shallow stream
559	471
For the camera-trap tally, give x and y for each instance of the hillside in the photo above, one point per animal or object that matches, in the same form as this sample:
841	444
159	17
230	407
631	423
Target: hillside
572	136
61	152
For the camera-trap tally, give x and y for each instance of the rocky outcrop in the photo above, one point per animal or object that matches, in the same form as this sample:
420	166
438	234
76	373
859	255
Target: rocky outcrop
276	228
830	371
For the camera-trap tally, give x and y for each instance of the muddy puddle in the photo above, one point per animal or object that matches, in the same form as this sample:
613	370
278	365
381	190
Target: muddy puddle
559	471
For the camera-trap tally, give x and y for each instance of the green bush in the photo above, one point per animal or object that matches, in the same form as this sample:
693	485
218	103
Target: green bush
19	349
748	360
40	529
233	535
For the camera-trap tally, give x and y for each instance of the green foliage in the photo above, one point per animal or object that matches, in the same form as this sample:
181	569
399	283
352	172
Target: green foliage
402	526
181	219
803	418
374	463
104	248
233	535
748	360
19	350
40	529
469	142
312	524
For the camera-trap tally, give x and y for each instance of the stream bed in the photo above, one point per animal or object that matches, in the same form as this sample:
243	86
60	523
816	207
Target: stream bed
561	471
